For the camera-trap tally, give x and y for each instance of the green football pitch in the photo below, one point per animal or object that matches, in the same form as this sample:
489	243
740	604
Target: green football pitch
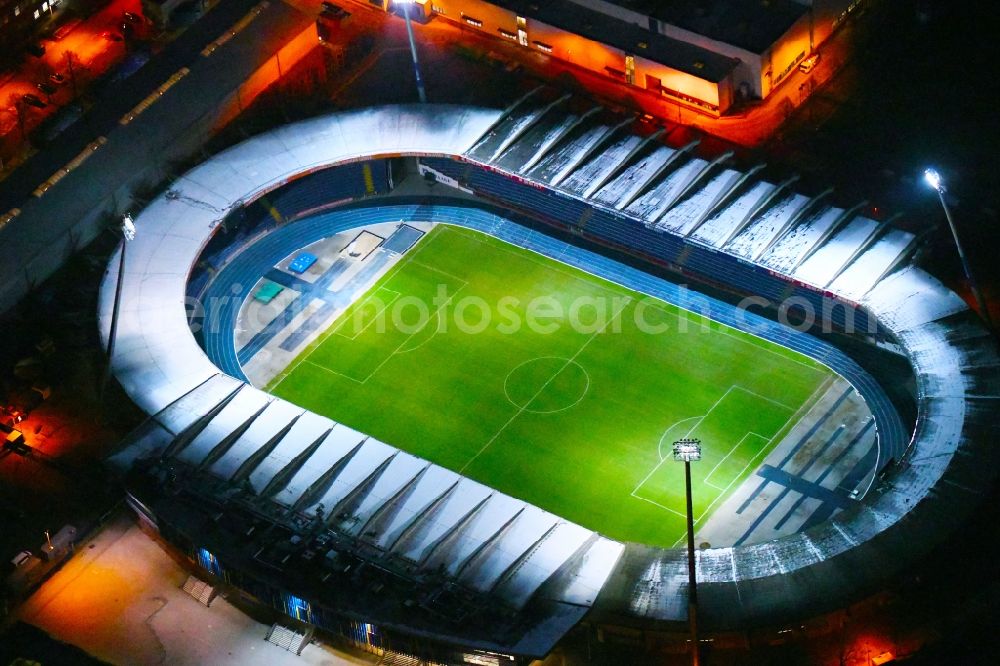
497	363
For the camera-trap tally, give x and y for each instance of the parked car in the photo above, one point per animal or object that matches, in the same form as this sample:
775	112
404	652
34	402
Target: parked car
807	65
57	79
112	36
46	87
33	100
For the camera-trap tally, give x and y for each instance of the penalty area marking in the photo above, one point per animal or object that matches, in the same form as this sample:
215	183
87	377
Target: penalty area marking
698	420
662	458
385	360
375	316
729	453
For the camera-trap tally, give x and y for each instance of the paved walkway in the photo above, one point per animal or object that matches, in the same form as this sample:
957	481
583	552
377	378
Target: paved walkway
120	599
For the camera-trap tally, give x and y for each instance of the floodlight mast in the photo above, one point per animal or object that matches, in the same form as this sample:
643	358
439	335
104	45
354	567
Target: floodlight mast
688	450
127	228
934	180
405	5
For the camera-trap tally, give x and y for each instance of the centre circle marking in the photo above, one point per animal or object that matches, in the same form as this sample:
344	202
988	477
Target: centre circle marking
565	365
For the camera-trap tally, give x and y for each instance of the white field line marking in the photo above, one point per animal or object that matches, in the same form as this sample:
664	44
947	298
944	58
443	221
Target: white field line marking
521	410
797	416
725	329
433	317
544	264
665	508
708	509
730	452
764	448
825	369
663	437
762	397
420	245
332	372
387	358
392	300
437	270
586	388
688	434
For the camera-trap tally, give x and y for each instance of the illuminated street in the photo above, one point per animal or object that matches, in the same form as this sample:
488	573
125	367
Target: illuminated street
83	50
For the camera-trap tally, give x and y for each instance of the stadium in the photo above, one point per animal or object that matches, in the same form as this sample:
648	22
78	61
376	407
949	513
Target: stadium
412	375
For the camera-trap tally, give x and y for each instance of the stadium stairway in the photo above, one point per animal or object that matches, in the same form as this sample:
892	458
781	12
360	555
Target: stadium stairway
288	639
200	590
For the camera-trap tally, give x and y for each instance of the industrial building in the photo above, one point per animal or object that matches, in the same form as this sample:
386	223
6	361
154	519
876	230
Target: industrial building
707	55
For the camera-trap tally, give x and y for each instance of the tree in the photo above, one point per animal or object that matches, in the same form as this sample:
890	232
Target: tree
72	65
17	106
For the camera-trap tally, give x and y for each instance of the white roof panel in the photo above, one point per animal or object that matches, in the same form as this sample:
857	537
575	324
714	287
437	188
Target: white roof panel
368	459
530	526
652	204
718	227
466	496
335	446
799	240
402	470
824	264
307	429
550	554
247	402
431	486
681	218
633	177
276	417
872	265
767	226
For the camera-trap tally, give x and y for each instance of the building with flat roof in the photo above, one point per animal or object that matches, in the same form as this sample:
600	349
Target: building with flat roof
752	25
706	54
768	37
607	45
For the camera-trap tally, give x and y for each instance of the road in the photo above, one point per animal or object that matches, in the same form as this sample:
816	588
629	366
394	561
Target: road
116	99
92	55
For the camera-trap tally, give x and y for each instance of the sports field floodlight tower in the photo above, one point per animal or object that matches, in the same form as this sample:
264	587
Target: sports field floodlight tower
405	7
933	178
128	234
688	450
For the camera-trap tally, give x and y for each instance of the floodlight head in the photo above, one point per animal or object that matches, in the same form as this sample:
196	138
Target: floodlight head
128	227
933	179
687	450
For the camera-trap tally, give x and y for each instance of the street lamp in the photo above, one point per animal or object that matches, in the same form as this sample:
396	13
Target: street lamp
933	179
406	4
689	450
128	234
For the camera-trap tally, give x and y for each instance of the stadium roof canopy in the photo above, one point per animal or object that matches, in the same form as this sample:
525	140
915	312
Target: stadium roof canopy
233	437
